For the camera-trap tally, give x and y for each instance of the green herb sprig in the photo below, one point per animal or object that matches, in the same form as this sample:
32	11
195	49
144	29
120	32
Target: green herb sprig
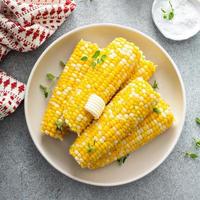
197	142
155	85
84	58
122	160
156	110
197	120
62	64
168	15
96	58
60	124
47	89
191	155
91	148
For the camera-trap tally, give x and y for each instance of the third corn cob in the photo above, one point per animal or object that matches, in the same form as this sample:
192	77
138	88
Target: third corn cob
126	110
154	124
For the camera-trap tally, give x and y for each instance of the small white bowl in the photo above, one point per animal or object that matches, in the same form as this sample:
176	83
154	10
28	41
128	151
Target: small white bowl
139	163
163	25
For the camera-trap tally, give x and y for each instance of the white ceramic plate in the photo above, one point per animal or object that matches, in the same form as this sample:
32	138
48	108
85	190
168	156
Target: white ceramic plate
142	161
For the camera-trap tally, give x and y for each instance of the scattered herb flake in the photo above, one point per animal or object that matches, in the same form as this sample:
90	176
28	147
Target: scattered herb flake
191	155
103	57
50	77
197	142
170	14
45	90
122	160
155	85
164	11
96	54
90	148
84	58
62	64
99	61
156	110
59	124
197	120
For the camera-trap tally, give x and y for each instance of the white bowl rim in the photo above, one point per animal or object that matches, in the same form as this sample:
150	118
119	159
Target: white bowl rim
166	154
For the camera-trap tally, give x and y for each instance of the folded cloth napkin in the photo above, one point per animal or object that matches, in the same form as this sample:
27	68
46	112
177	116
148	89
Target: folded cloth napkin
11	94
24	26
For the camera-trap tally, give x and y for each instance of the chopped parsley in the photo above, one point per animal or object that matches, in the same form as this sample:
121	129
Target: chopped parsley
59	124
91	148
155	85
197	120
122	160
156	110
84	58
45	90
62	64
168	15
103	57
96	54
197	142
191	155
50	77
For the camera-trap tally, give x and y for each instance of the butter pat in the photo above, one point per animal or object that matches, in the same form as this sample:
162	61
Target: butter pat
95	106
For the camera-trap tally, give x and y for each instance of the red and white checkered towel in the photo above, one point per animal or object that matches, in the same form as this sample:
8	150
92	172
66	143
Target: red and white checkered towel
24	26
11	94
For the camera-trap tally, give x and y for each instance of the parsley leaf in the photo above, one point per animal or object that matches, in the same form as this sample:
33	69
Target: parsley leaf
155	85
84	58
197	120
103	57
168	15
59	124
45	90
191	155
90	148
62	64
171	15
50	77
122	160
156	110
197	142
96	54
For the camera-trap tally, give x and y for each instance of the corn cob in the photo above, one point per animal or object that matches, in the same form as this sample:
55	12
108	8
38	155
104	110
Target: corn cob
126	110
151	127
74	71
104	80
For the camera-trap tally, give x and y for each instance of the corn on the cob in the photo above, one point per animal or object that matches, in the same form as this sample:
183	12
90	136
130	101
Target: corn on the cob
74	71
126	110
151	127
106	78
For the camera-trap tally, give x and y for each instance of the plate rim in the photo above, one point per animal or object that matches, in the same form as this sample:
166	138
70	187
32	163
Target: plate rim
118	183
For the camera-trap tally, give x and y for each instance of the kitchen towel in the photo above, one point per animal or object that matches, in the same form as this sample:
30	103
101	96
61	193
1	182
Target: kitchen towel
11	94
24	26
